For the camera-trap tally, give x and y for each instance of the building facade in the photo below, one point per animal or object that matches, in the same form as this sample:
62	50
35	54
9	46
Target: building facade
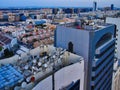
61	81
94	6
116	74
96	46
116	21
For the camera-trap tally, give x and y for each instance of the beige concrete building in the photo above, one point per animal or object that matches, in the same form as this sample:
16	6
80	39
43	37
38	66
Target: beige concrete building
116	80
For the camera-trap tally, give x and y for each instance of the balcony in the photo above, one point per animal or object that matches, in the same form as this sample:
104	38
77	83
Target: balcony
104	47
98	80
98	70
99	60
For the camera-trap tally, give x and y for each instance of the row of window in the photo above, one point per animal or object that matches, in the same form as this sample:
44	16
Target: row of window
93	78
104	39
109	75
95	68
105	74
111	46
108	82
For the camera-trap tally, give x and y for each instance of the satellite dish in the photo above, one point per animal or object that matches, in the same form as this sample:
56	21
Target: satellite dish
26	67
23	84
61	56
28	79
39	63
45	57
33	67
34	61
54	56
45	65
16	88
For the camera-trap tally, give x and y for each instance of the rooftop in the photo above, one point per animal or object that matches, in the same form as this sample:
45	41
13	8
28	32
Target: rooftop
9	76
4	40
88	25
43	61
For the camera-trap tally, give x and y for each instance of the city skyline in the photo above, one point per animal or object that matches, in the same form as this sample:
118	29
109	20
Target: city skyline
64	45
57	3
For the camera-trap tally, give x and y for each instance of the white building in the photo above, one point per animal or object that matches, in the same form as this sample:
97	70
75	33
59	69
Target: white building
116	21
116	74
18	33
68	77
57	70
6	42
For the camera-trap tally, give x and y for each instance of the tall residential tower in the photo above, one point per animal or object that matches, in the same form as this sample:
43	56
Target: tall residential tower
96	43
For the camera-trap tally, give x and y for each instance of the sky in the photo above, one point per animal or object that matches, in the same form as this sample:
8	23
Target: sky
57	3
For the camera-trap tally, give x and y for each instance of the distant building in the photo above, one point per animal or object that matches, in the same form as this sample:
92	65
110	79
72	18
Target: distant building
116	76
11	18
94	6
36	21
1	16
5	17
55	11
17	17
77	10
96	45
23	17
112	6
68	10
7	42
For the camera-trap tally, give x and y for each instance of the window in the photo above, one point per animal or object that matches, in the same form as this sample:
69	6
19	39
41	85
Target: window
70	47
104	39
76	86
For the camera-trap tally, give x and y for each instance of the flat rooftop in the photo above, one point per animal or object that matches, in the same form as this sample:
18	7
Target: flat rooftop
86	26
41	62
9	76
4	39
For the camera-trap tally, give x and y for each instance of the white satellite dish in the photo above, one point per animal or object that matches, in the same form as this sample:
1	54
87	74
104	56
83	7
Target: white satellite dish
39	63
28	79
26	67
34	61
45	65
23	84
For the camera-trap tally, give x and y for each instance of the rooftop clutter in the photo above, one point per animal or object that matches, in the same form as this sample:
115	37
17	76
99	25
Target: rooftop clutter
48	60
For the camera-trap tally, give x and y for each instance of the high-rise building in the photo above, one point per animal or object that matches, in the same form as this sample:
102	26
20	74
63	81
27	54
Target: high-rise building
112	6
116	74
94	6
96	44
